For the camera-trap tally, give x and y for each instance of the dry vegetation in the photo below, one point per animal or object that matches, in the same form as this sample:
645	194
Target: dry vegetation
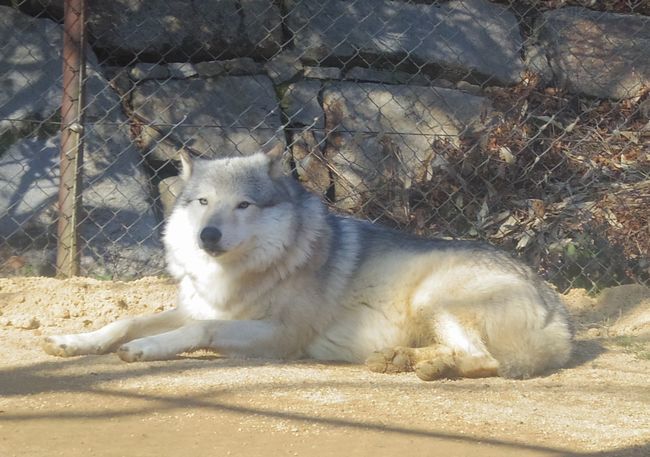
563	180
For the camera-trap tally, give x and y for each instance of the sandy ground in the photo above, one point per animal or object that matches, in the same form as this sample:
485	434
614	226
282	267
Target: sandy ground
206	405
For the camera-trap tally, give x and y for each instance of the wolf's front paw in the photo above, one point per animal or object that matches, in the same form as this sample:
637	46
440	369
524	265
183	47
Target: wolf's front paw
391	360
129	354
70	345
143	350
54	346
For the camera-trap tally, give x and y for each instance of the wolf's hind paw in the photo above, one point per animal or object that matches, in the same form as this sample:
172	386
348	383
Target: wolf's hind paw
428	370
390	360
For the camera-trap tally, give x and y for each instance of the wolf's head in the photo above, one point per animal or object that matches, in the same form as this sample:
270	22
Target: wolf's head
238	209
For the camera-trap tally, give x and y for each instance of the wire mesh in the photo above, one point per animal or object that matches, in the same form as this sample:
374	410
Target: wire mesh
523	123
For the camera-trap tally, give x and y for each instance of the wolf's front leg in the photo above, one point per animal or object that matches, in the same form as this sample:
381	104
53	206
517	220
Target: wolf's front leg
254	338
111	336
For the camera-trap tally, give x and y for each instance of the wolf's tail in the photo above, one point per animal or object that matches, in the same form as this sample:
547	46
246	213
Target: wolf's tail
534	352
532	340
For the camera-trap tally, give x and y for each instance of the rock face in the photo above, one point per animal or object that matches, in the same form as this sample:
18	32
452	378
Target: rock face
458	37
119	227
229	115
283	66
185	30
379	133
29	61
119	231
301	105
589	52
386	76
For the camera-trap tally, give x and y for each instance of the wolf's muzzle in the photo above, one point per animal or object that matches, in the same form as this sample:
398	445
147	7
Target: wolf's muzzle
210	237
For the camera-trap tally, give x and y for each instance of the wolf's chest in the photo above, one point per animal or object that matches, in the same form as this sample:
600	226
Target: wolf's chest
221	299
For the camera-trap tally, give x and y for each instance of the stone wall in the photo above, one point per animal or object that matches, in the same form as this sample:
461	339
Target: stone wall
362	93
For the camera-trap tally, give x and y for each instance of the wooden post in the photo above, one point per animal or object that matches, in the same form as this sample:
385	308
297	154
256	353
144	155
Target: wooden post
72	130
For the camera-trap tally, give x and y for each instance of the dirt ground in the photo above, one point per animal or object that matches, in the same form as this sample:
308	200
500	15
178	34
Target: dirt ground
206	405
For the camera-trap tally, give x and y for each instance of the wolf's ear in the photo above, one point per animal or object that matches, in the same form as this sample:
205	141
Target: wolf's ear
186	164
276	156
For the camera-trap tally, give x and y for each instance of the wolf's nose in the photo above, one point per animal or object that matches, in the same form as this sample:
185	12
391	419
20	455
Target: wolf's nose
210	237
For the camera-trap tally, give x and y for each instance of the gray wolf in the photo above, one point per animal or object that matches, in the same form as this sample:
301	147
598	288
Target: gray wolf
265	270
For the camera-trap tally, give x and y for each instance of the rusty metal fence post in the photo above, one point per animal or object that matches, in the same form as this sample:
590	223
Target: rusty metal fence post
69	203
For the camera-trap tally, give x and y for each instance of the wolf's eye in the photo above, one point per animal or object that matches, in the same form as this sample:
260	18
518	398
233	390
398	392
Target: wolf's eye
203	201
243	205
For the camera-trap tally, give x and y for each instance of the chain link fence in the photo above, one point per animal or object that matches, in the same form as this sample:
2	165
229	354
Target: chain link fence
523	123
